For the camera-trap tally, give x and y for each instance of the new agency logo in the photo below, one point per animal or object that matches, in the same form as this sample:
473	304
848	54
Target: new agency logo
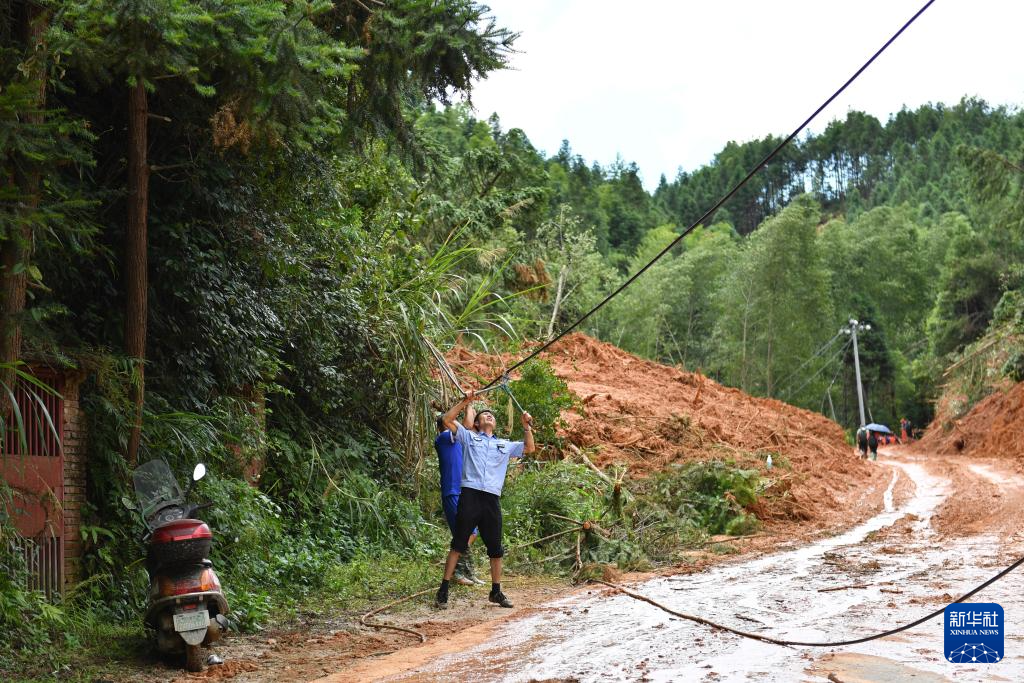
974	633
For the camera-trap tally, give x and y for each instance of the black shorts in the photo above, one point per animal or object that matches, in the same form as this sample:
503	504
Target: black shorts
478	510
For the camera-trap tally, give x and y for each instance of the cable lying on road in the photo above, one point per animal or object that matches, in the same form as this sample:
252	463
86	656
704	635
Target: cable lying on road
779	641
364	619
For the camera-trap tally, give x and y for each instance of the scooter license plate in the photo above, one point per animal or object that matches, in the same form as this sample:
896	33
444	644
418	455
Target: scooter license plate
190	621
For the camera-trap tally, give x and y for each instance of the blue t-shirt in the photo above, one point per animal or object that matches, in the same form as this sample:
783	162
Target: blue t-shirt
449	460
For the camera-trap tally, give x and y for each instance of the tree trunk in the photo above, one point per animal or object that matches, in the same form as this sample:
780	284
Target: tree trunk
743	362
136	281
558	300
16	249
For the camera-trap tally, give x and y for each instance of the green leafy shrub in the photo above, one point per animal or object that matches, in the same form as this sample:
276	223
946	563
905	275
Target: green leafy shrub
711	497
1013	367
30	625
532	496
1010	310
370	576
249	608
544	395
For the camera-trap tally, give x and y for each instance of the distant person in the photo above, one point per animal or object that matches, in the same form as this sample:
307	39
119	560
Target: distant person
862	442
906	430
873	444
449	463
485	461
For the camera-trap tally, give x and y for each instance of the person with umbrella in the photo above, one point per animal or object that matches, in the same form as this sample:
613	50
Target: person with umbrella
874	429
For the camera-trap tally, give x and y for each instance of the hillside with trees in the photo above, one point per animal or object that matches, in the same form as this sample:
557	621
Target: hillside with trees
252	227
916	233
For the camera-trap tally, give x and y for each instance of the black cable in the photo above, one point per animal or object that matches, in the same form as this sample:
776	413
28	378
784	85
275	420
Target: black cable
836	356
828	391
443	366
920	621
812	357
834	378
725	197
836	643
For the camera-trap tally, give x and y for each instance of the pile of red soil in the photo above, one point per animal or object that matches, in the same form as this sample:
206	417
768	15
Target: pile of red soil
994	427
647	415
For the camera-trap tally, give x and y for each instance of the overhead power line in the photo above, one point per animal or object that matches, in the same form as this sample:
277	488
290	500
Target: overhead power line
828	394
728	195
814	355
836	356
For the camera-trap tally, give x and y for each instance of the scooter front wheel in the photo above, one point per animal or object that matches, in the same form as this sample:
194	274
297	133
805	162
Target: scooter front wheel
193	658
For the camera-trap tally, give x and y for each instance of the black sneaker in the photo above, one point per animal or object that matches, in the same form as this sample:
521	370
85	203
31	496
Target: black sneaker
441	600
499	598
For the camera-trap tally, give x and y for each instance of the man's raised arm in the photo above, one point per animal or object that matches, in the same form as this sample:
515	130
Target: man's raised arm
528	444
469	417
451	417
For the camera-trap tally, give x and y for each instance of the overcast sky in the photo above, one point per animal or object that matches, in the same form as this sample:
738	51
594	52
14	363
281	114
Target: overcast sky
667	84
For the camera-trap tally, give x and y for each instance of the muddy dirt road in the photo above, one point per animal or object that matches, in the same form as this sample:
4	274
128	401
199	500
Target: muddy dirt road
962	522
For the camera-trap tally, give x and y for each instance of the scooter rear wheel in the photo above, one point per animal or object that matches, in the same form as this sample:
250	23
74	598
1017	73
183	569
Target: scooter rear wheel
193	658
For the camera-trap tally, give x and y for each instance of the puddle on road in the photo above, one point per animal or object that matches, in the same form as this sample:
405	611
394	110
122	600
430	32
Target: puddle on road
997	478
616	638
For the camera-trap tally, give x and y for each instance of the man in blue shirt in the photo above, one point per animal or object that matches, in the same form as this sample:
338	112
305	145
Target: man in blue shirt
485	461
449	463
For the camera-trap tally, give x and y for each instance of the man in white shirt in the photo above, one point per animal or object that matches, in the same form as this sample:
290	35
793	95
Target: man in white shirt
485	462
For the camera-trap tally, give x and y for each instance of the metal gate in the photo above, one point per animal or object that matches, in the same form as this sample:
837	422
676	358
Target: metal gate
32	465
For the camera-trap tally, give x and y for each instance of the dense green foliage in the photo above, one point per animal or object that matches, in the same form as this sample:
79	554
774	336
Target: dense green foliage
323	221
710	497
912	225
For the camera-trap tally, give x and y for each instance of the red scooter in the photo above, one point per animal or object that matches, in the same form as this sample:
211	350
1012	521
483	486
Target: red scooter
186	606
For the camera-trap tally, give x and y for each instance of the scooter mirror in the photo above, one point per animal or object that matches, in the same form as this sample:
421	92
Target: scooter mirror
128	503
199	472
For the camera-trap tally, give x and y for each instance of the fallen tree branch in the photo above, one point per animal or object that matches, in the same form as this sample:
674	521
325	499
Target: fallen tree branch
364	619
583	456
746	618
842	588
559	556
579	562
541	540
567	519
731	539
631	418
626	444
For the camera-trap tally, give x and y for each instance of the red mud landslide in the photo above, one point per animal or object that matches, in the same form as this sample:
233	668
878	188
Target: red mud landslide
647	415
992	428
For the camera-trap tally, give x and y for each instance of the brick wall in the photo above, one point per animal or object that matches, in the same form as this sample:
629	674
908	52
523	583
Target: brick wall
74	479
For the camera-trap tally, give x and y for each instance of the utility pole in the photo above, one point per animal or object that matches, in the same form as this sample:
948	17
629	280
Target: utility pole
851	329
